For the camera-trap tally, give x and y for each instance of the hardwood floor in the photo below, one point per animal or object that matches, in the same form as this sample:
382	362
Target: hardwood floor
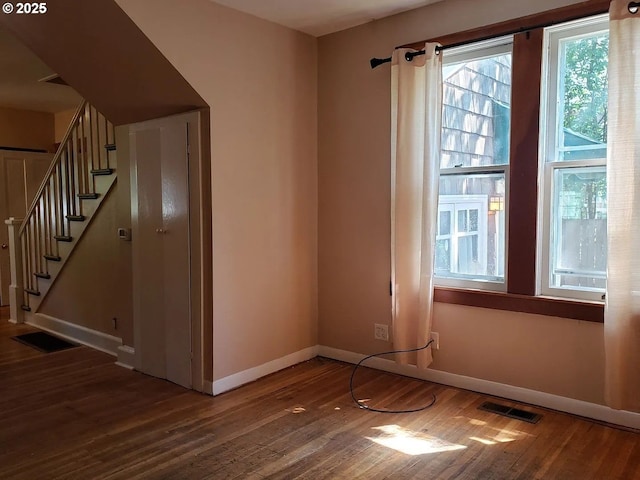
76	415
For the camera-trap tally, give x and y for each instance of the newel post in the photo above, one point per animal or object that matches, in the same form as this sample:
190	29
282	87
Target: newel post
16	288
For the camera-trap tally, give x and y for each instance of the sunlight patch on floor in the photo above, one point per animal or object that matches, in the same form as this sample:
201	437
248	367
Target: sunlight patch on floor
295	410
493	440
410	442
482	440
473	421
501	435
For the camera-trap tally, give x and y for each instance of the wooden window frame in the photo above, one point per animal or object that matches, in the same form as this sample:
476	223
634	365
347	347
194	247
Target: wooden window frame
523	191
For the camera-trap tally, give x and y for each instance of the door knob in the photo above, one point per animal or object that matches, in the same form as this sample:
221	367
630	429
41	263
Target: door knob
4	246
160	230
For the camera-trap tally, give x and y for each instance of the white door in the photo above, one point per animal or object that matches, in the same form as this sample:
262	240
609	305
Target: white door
21	174
161	248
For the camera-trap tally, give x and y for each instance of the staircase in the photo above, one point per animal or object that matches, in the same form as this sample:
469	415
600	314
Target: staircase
80	176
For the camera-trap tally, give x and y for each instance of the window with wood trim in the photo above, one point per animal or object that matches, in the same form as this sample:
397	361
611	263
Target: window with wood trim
537	245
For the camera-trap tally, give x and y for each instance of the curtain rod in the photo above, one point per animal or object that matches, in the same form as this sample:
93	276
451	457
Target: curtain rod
375	62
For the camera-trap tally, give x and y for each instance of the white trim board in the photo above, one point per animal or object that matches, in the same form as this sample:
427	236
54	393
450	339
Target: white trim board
237	379
547	400
76	333
207	387
126	357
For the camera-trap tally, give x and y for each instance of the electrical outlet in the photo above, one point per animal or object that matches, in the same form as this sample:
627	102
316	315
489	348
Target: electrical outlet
381	332
435	336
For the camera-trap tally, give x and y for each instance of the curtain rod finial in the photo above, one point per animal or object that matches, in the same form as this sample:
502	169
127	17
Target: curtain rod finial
375	62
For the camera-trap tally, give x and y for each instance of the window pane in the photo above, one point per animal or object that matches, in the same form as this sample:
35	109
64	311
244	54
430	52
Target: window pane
462	221
475	248
443	256
583	88
468	259
445	223
580	228
476	112
473	221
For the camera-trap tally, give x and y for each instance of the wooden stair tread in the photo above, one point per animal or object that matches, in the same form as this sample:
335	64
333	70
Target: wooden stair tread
88	196
102	171
60	195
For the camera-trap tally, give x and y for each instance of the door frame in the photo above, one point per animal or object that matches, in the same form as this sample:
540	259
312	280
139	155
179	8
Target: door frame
201	244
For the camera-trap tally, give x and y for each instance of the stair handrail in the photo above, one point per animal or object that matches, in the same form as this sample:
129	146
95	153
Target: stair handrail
59	204
52	166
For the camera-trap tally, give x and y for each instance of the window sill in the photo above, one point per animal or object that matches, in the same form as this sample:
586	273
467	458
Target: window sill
555	307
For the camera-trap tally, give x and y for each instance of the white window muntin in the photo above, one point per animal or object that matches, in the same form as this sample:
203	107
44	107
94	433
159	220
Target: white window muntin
477	50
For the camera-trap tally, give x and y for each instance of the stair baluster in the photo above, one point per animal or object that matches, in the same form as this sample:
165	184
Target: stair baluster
70	181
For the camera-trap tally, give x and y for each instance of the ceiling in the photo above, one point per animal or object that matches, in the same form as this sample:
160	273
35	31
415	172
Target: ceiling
321	17
20	71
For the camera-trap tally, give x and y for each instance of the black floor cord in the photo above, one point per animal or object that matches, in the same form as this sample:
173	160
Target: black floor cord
380	410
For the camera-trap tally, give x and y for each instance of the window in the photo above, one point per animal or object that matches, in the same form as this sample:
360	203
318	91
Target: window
573	138
522	207
472	207
461	236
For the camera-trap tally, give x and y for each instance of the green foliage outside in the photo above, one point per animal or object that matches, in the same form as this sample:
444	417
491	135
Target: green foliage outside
585	86
585	112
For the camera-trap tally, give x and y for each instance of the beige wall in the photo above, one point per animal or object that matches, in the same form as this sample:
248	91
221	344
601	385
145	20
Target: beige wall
26	129
95	284
263	108
94	287
261	84
62	120
558	356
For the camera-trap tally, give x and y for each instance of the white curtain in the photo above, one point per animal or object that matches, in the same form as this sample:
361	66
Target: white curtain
622	310
415	164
